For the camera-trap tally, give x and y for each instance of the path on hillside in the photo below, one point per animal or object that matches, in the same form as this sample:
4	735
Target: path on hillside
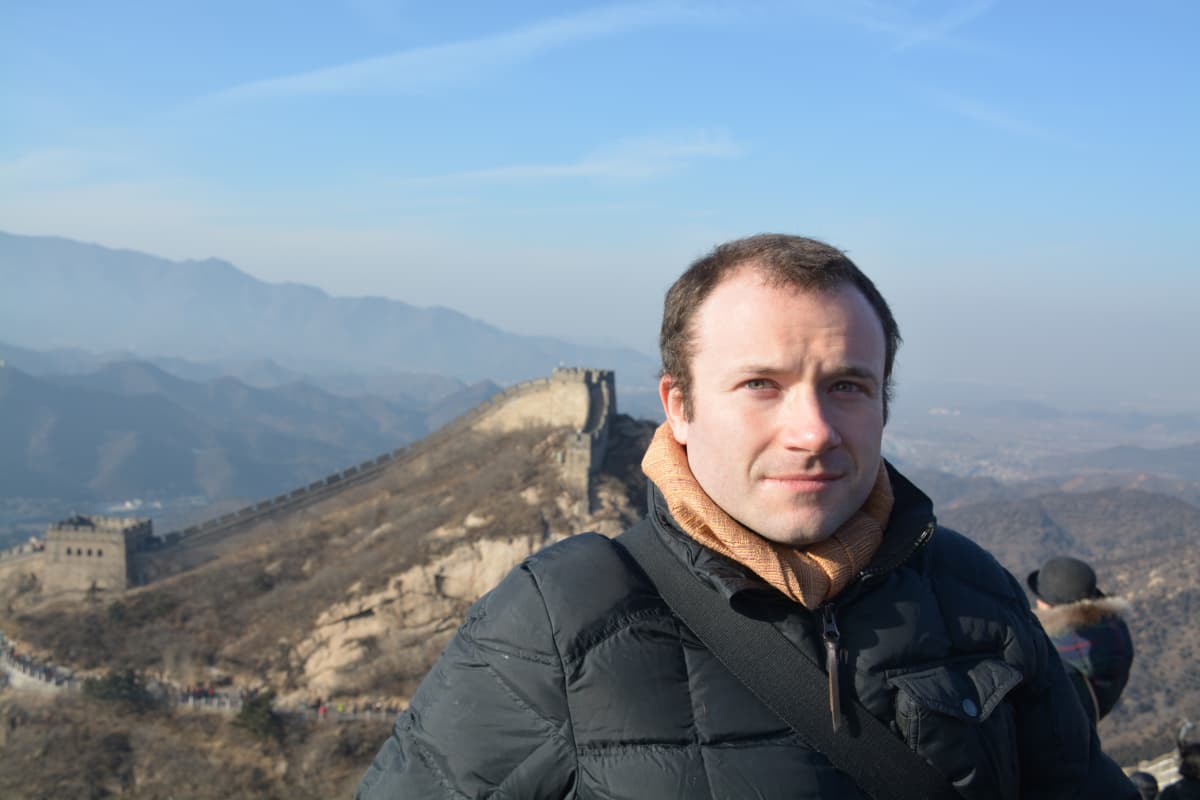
34	676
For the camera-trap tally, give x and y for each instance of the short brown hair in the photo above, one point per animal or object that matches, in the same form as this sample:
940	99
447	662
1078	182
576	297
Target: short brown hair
792	261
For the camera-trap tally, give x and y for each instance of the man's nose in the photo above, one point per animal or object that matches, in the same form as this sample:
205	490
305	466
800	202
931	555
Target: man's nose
807	425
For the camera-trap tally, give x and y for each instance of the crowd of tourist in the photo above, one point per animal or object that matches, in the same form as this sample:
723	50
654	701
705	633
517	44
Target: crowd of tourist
203	696
31	666
352	709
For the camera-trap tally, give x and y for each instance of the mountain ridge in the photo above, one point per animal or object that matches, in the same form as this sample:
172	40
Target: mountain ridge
131	429
63	293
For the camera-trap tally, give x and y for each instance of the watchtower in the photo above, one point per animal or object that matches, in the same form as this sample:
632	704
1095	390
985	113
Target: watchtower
86	552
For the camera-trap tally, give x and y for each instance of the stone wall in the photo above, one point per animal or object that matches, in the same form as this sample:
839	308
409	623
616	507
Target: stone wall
20	566
581	398
577	398
86	552
584	454
563	400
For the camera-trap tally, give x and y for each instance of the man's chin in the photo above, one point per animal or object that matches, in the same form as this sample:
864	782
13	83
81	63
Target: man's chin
801	536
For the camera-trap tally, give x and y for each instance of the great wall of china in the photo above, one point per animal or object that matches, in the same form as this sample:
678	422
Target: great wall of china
577	398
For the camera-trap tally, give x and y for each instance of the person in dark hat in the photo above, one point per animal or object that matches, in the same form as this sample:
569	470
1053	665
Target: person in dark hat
1147	784
1188	746
1088	630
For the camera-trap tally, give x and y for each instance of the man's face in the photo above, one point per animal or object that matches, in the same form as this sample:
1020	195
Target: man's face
787	405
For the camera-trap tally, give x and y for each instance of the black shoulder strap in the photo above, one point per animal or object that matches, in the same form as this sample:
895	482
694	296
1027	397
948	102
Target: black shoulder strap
753	650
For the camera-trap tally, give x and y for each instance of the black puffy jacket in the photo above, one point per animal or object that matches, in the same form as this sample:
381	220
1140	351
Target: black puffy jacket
1184	789
573	679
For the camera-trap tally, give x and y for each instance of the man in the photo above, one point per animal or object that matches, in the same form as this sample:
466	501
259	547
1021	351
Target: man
1087	630
573	678
1188	749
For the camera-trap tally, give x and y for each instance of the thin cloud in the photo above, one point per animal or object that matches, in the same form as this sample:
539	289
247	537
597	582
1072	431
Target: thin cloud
50	165
908	33
423	68
939	30
630	159
58	166
994	117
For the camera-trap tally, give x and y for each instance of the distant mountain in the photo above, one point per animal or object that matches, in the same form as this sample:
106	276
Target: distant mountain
973	405
64	294
1100	527
83	443
950	492
293	410
262	373
57	361
1016	442
1178	462
133	430
1185	490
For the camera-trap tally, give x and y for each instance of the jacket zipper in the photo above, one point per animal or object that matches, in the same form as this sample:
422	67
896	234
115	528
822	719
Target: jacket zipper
922	540
832	636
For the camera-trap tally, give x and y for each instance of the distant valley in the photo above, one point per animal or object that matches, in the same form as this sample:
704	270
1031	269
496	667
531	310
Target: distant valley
132	433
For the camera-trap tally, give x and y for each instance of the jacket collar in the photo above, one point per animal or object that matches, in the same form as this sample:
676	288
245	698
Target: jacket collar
909	528
1080	614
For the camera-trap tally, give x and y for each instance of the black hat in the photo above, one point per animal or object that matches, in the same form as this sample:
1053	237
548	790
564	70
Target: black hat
1189	736
1064	580
1147	784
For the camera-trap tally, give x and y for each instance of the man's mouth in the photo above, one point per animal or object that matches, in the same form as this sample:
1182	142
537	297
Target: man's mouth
804	481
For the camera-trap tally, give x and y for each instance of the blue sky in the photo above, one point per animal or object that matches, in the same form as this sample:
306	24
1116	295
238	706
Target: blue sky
1020	178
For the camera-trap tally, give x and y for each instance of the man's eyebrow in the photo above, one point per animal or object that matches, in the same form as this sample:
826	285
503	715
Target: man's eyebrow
758	369
842	371
854	371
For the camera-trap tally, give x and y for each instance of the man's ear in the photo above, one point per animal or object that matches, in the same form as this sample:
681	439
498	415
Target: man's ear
672	401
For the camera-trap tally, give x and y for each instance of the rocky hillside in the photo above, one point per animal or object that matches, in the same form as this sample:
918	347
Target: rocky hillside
351	598
349	601
73	748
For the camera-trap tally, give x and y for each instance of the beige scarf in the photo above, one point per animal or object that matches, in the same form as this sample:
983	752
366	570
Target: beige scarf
810	575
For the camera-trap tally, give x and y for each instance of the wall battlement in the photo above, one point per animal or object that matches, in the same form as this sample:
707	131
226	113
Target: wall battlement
99	527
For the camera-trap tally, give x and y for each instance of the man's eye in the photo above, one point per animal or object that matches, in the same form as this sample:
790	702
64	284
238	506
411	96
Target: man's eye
757	384
847	386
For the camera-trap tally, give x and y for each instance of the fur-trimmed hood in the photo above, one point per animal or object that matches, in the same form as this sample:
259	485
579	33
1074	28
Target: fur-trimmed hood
1058	619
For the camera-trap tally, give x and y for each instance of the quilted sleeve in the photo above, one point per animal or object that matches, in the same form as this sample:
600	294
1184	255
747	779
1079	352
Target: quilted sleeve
490	718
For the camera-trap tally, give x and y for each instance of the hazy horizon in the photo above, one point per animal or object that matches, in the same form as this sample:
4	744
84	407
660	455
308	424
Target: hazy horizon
1020	182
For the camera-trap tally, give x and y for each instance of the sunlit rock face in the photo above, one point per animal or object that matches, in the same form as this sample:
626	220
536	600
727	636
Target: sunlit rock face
417	611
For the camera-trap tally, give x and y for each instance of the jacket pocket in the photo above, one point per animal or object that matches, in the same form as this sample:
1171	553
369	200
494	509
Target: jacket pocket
953	713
